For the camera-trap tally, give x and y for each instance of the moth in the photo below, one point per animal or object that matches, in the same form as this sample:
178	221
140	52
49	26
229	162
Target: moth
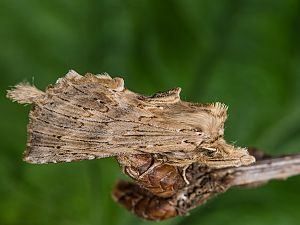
95	116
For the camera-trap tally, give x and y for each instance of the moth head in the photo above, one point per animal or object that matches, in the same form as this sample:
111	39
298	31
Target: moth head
220	154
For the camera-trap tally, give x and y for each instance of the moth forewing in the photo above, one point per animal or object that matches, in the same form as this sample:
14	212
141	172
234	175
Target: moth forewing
94	116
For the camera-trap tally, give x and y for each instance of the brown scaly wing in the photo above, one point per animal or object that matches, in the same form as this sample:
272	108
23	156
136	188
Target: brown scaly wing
94	116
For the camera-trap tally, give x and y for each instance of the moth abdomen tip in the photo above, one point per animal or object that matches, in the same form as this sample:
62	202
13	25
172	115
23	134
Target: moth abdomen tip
24	93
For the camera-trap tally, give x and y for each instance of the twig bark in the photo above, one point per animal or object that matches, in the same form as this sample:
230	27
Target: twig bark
275	168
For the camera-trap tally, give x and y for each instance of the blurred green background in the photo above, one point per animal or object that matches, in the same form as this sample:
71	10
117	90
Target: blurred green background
243	53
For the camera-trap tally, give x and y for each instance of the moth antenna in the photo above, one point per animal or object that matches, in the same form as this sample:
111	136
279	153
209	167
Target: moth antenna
24	93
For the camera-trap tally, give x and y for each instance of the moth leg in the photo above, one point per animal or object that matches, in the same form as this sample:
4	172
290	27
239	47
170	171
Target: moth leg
184	174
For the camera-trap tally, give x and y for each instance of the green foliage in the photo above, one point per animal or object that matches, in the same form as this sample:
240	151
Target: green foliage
243	53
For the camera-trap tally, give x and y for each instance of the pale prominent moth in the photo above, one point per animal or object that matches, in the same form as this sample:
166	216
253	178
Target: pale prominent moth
94	116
